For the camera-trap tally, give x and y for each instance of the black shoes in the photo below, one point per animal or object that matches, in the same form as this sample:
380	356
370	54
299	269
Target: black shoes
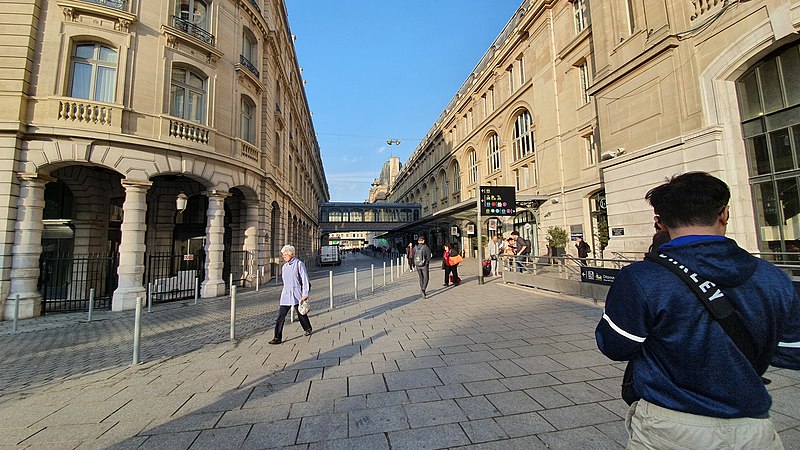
275	341
424	295
308	332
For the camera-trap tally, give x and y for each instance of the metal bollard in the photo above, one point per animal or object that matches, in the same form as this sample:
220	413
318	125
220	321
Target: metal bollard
355	283
391	270
258	278
372	276
231	282
291	314
196	289
398	267
330	285
384	274
149	297
91	304
16	314
137	330
233	312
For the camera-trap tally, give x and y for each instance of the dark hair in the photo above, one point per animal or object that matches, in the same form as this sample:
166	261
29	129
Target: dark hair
694	198
515	232
661	237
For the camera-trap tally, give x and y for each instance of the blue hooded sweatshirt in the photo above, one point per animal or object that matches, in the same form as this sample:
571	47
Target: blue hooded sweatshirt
682	358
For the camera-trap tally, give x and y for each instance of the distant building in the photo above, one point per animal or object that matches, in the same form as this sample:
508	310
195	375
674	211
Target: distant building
379	191
115	114
584	105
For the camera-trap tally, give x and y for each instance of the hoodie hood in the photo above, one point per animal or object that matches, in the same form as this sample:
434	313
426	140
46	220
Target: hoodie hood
716	259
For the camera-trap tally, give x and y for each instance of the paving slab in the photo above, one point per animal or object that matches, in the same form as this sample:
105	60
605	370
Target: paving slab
389	370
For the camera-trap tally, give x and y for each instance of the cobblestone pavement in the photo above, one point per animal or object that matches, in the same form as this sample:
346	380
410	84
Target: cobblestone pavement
478	366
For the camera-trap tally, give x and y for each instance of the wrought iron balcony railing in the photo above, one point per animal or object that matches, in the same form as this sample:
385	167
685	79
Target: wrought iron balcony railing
122	5
193	30
249	66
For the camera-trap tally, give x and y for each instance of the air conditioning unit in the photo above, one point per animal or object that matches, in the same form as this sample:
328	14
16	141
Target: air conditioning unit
608	154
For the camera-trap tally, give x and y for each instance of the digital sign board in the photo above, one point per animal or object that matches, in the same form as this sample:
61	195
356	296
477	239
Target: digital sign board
498	201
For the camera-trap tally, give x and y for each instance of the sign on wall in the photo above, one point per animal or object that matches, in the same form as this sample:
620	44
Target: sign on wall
598	275
498	201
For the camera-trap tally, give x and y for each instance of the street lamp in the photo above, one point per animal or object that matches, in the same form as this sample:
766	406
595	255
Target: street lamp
393	141
180	202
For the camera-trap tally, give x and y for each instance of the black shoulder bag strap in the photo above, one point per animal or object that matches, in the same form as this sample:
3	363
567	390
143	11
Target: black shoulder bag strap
718	305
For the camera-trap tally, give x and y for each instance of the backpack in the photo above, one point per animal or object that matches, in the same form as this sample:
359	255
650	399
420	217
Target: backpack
419	257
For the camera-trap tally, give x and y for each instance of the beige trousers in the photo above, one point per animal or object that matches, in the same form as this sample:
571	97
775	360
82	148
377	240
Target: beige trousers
653	427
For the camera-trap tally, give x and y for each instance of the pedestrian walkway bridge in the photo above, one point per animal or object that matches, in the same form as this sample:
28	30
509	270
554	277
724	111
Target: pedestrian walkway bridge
378	217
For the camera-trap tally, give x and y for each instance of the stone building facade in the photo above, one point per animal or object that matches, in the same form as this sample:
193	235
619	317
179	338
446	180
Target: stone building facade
136	129
584	105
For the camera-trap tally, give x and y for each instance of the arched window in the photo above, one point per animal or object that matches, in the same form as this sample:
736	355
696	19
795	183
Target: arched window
443	178
523	136
456	178
769	100
493	153
473	167
435	188
94	72
194	12
188	95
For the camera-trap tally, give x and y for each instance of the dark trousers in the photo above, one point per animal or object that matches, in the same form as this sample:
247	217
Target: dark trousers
423	278
282	318
450	270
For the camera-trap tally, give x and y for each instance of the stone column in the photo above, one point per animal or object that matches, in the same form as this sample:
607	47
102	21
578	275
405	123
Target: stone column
251	234
27	248
132	247
214	285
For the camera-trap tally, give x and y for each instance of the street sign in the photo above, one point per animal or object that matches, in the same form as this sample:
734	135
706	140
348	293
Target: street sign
498	201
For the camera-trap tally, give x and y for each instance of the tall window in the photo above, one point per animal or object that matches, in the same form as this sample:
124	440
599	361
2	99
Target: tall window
510	74
630	16
443	177
94	72
473	167
194	12
456	178
248	120
769	103
188	95
517	183
581	11
583	78
588	149
521	62
522	145
493	153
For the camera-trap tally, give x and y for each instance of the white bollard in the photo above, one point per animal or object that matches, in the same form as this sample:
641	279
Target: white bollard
355	283
233	312
16	314
391	270
149	297
372	276
384	274
196	289
137	330
330	286
91	304
291	314
258	274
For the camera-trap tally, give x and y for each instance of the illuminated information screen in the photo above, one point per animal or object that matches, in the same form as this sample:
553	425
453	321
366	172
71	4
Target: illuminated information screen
498	201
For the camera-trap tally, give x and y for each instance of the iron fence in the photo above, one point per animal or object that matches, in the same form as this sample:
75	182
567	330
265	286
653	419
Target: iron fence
173	277
66	282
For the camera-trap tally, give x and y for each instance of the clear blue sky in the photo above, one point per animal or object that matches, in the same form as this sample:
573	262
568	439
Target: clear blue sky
378	70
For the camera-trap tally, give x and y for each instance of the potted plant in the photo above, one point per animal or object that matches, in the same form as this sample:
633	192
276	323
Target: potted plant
557	240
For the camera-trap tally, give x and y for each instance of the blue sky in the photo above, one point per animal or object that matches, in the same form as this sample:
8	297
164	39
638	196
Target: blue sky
378	70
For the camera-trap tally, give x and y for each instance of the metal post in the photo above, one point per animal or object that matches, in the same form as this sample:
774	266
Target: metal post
149	297
16	314
233	312
355	283
91	304
231	282
291	314
196	289
137	330
258	273
330	285
372	276
398	267
384	274
480	239
391	270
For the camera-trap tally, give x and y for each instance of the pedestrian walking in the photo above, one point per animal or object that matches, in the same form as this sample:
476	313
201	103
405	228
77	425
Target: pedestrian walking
295	290
422	259
523	249
699	321
494	255
410	256
583	250
450	261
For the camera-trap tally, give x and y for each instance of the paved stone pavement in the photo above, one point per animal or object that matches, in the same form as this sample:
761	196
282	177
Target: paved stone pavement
473	366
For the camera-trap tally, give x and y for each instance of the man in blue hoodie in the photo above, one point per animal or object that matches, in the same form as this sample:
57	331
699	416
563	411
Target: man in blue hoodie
697	389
